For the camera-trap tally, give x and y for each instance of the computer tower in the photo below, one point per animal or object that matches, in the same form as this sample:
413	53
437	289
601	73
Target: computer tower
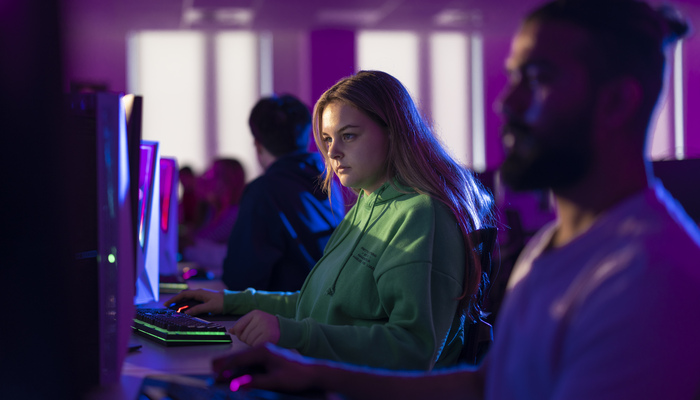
103	248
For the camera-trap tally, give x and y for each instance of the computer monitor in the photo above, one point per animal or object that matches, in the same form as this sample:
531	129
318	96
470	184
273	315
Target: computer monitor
133	108
147	248
169	184
103	241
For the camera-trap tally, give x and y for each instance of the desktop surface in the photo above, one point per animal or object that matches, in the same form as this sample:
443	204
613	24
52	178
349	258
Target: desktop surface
154	371
152	358
203	387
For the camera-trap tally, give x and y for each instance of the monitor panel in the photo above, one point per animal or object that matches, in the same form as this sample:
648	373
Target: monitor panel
148	251
169	184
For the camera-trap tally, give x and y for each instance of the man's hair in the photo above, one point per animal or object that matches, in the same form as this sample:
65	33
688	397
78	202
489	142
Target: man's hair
416	159
628	38
281	124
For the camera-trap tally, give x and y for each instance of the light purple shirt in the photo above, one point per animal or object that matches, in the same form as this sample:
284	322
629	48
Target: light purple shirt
615	314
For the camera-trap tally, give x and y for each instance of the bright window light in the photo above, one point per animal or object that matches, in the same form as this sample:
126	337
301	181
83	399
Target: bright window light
450	92
266	64
167	69
237	92
394	52
667	141
662	135
678	104
478	108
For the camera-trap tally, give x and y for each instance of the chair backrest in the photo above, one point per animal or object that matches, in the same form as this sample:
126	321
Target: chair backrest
478	335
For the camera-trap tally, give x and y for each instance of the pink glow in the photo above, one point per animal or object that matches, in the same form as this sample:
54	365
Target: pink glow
240	381
189	273
167	168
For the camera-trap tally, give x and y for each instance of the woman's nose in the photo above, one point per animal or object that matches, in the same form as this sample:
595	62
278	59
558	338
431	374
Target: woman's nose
334	150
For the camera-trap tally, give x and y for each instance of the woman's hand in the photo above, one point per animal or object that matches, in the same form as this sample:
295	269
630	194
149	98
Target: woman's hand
212	301
257	327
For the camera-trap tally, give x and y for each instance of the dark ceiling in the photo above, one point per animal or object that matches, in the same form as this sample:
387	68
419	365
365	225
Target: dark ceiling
384	14
482	15
487	16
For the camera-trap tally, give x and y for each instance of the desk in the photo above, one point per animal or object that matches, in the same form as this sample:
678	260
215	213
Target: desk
154	358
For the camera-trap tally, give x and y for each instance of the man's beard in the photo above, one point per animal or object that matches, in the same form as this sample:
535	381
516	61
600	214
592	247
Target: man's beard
555	159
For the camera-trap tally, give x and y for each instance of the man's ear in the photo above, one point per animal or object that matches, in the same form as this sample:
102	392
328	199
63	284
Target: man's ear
618	102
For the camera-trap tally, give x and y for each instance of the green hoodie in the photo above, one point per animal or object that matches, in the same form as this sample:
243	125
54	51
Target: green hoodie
384	294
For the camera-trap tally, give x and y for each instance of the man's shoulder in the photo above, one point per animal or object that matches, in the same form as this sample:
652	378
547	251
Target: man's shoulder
283	184
659	224
301	168
300	161
257	185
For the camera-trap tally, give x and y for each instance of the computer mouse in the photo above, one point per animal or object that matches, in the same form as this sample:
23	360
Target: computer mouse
184	304
239	376
197	274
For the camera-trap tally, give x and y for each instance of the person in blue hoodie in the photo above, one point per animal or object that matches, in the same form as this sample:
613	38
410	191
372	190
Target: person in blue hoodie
398	278
285	218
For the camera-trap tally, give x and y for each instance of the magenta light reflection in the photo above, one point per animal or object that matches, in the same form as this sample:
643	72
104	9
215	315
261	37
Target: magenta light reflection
167	168
236	383
189	273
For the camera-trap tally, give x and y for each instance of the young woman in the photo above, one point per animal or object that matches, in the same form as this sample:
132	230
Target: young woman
398	275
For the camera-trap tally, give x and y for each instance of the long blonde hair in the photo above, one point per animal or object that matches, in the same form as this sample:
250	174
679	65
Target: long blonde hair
418	160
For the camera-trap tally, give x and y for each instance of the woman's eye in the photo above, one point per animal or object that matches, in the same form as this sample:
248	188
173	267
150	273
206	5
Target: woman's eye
348	136
327	139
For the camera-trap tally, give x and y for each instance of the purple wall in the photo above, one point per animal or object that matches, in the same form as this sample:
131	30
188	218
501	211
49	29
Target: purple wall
332	58
95	49
291	65
496	48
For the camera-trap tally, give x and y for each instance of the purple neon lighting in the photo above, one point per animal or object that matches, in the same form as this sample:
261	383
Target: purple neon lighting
237	383
166	180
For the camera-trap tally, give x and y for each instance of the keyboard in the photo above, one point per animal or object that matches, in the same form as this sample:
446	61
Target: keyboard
171	328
